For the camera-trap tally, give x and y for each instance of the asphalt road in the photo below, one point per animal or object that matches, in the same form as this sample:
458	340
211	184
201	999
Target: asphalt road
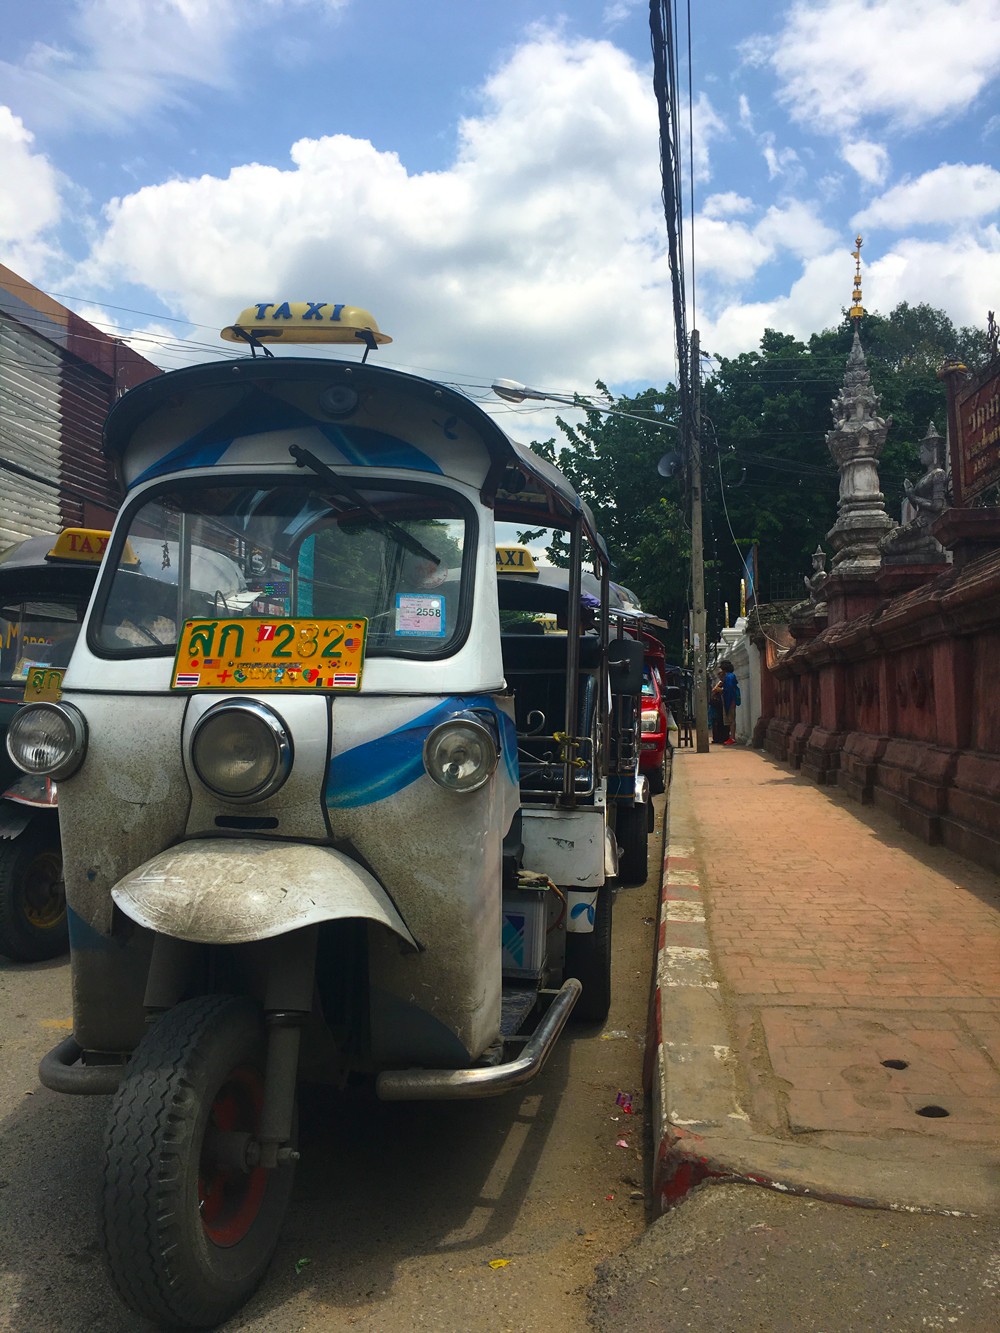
736	1258
400	1211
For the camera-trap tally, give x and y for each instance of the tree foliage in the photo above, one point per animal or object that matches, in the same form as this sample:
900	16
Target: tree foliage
611	461
767	474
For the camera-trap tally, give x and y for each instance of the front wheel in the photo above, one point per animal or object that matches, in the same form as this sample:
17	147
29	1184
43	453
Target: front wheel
188	1231
632	834
32	895
588	958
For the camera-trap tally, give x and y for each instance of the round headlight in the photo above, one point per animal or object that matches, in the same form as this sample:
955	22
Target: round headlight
48	740
241	751
460	755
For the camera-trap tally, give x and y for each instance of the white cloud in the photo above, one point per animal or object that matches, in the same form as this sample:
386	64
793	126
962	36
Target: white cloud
618	11
780	161
538	255
128	58
952	193
708	125
839	62
727	204
29	199
733	251
960	275
869	160
949	275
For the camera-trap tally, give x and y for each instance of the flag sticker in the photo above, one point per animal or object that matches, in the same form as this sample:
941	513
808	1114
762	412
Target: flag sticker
187	681
346	678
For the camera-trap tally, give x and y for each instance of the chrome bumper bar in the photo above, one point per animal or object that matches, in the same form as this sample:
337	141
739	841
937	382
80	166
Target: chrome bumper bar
62	1071
425	1085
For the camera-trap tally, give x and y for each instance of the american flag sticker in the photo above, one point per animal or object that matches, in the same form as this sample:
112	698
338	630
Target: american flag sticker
345	678
186	681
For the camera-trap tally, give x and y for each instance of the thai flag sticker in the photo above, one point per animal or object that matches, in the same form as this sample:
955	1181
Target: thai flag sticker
188	681
346	678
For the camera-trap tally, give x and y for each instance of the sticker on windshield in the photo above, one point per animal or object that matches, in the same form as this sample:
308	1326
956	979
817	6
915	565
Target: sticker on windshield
420	614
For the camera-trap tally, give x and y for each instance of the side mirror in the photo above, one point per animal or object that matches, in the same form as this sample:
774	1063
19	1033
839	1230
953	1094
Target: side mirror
625	660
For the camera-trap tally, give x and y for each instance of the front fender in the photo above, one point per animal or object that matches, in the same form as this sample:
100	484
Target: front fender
232	891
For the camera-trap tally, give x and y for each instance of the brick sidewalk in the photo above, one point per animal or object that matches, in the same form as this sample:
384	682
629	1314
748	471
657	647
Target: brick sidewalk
858	970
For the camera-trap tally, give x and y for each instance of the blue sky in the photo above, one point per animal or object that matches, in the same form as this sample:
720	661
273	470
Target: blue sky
484	177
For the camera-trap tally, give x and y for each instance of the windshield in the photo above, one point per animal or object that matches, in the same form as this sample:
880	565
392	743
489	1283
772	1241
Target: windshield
289	550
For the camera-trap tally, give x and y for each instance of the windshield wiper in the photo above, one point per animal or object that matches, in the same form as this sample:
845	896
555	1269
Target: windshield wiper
304	458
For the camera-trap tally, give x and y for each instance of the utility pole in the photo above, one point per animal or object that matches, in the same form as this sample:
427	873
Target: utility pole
697	555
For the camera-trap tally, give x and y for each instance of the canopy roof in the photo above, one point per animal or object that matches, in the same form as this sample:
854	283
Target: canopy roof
519	484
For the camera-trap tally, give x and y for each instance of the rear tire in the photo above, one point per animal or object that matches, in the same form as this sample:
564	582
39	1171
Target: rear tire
32	894
588	958
632	834
187	1239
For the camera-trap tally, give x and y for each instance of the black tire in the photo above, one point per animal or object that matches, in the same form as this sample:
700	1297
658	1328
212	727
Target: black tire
632	834
32	894
588	958
657	783
188	1241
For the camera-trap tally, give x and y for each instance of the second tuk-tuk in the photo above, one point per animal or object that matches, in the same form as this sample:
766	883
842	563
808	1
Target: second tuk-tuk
45	584
322	819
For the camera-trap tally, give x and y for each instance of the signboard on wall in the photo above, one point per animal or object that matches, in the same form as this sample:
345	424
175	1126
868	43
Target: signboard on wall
976	422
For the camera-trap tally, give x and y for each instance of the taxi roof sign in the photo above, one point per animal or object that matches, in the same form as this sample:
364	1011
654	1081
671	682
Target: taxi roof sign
79	544
88	546
515	560
305	322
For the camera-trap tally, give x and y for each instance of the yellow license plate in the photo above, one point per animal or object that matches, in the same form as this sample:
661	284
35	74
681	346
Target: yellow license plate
270	654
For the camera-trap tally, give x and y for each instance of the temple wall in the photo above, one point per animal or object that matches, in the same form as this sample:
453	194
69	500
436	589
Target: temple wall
898	704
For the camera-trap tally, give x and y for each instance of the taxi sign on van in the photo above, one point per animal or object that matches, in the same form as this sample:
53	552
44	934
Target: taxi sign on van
515	560
305	322
87	545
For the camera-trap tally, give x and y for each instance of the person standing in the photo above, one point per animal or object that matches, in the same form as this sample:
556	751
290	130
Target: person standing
730	699
716	710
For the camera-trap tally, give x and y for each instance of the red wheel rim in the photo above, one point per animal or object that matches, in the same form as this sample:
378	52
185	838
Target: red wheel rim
229	1199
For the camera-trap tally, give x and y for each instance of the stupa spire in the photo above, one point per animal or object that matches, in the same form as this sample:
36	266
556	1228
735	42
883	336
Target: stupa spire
855	442
857	309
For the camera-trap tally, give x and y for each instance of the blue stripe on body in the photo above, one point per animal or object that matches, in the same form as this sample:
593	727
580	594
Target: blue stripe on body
381	767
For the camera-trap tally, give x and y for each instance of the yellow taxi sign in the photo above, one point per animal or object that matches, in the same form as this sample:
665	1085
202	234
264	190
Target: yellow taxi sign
305	322
79	544
515	560
87	545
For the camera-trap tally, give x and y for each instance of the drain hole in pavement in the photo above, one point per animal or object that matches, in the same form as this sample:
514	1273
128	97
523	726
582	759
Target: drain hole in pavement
933	1112
895	1064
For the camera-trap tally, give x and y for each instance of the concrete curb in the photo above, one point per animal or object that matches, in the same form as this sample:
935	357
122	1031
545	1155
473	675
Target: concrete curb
700	1129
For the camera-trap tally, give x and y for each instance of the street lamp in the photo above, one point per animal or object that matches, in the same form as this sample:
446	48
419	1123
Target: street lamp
511	391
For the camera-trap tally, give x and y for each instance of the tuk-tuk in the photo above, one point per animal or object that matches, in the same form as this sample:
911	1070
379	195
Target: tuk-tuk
527	587
45	584
322	819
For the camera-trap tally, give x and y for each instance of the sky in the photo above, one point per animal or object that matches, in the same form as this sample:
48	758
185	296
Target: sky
484	175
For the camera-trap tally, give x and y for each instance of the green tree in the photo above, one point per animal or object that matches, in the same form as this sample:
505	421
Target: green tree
611	461
768	477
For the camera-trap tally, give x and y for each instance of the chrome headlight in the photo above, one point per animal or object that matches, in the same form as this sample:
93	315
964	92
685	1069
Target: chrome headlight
241	751
48	740
460	755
